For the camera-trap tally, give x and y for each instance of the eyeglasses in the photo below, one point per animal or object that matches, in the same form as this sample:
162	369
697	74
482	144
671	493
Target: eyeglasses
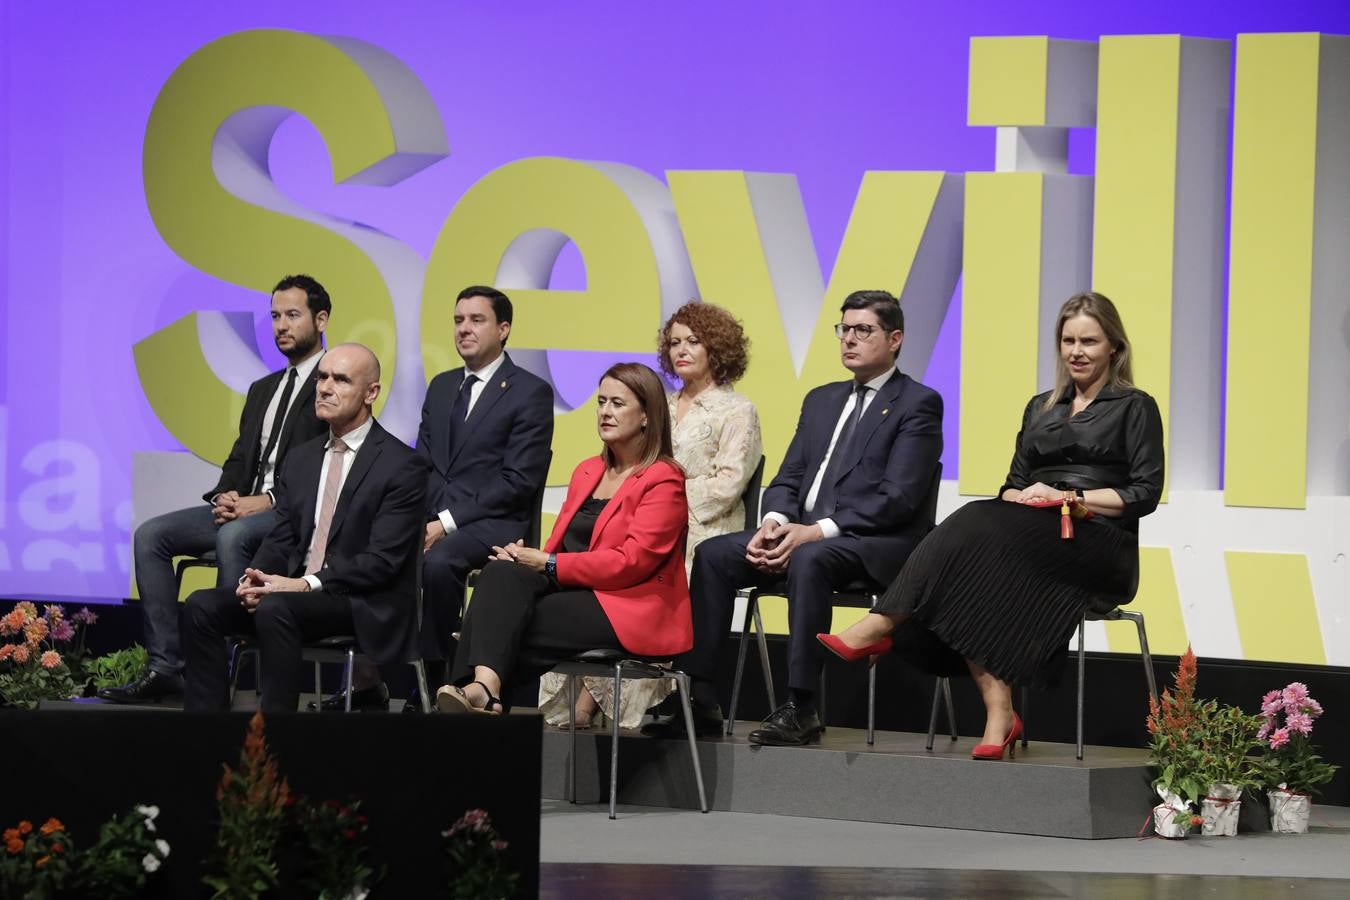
862	331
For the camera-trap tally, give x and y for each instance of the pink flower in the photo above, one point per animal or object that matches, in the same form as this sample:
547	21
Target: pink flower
1295	695
62	630
1312	708
51	611
1271	703
1265	729
51	659
499	845
1299	721
1279	738
85	616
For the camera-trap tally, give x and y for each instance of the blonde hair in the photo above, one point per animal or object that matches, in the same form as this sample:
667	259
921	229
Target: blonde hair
1100	308
651	396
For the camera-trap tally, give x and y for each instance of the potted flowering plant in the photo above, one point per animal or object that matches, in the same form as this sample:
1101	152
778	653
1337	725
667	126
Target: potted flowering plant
36	861
1227	739
1174	729
1291	768
335	839
32	666
475	853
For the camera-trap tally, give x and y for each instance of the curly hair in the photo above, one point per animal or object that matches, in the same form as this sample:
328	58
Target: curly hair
719	332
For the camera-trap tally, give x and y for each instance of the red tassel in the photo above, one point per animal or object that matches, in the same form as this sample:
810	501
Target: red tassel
1065	521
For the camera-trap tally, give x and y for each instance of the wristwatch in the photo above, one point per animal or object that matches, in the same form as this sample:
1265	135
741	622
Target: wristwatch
551	566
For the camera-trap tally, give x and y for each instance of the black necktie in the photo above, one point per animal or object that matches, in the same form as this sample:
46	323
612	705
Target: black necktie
460	411
825	499
278	423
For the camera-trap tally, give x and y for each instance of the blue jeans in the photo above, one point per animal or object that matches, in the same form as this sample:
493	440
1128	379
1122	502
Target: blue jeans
187	532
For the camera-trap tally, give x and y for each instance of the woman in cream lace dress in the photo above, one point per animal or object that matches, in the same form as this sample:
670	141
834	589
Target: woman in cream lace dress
717	441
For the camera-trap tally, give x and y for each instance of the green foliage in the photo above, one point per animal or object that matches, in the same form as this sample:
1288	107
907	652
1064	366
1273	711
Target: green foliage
252	804
116	668
28	685
126	854
1297	766
1227	738
333	836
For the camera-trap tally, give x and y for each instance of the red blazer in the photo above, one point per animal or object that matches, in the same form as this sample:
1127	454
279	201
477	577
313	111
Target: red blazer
635	563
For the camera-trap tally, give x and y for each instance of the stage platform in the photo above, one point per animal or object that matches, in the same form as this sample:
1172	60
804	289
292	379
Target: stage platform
1044	791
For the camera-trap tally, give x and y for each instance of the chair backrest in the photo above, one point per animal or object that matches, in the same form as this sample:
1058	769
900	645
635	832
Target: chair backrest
534	531
930	502
751	496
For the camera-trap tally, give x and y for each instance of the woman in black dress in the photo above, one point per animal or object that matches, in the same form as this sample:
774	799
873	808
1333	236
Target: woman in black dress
995	583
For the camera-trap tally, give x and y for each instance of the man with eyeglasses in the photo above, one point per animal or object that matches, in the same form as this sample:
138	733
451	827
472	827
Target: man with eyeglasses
843	512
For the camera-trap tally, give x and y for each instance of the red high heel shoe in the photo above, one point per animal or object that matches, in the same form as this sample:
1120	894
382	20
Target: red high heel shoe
850	654
995	751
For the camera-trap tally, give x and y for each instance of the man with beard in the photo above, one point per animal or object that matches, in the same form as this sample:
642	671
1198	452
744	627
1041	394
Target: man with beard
239	511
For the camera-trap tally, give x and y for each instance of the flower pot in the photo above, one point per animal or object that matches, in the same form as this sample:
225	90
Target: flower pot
1289	811
1165	827
1220	808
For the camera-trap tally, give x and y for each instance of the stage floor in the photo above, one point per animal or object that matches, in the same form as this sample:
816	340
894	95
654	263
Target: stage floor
688	854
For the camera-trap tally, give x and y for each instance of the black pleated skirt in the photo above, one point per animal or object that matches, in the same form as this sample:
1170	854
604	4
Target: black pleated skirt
996	584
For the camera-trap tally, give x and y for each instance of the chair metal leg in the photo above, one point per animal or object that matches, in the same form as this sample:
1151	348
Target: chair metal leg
423	695
871	704
951	707
572	730
933	713
614	742
257	673
764	656
740	662
1138	619
347	678
682	682
318	687
1082	670
236	657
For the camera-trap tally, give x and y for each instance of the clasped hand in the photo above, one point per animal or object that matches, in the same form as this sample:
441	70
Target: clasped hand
772	546
230	506
1037	491
518	552
257	584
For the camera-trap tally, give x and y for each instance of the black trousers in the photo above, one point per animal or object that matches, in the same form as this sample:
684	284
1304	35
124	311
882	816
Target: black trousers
282	623
814	571
445	568
521	623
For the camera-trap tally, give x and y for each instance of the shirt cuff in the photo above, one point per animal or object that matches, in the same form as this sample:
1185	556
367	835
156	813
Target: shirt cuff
828	528
447	520
314	583
777	517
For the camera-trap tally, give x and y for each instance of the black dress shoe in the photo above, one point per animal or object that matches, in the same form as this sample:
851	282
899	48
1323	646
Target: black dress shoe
708	723
149	687
373	699
788	726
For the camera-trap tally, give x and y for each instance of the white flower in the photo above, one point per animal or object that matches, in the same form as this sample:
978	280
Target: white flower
357	893
150	863
163	847
150	812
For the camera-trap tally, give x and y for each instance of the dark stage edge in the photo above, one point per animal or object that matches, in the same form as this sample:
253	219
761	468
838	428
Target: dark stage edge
1045	791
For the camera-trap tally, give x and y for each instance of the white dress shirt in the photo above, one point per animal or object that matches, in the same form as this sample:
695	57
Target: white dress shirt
353	439
271	418
485	375
827	525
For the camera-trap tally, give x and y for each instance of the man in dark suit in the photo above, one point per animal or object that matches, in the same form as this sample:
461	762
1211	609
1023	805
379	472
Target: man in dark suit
342	558
485	436
846	506
239	511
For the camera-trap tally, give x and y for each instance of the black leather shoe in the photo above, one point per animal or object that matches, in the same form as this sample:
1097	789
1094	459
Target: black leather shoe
149	687
374	699
708	723
788	726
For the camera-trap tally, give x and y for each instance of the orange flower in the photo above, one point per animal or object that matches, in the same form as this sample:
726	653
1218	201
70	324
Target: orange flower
11	834
42	861
51	659
35	630
25	826
21	653
28	608
13	844
52	824
58	848
13	621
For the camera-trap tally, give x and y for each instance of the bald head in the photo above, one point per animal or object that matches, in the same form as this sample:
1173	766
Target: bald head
347	383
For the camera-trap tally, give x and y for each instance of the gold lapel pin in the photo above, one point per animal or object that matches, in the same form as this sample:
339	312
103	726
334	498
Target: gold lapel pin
503	385
886	410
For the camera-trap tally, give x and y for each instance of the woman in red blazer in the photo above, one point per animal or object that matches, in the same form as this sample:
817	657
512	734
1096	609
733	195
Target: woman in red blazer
610	576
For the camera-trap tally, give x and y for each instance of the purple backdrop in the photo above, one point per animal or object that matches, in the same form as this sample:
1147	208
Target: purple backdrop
699	85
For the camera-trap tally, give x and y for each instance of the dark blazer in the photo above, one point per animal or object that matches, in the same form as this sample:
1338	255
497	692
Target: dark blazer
635	561
881	489
374	546
489	467
241	467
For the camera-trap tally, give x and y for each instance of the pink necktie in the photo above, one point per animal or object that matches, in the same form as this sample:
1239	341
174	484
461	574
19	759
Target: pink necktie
330	495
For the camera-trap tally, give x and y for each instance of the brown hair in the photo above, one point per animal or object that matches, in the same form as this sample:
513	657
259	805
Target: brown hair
651	395
718	330
1100	308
